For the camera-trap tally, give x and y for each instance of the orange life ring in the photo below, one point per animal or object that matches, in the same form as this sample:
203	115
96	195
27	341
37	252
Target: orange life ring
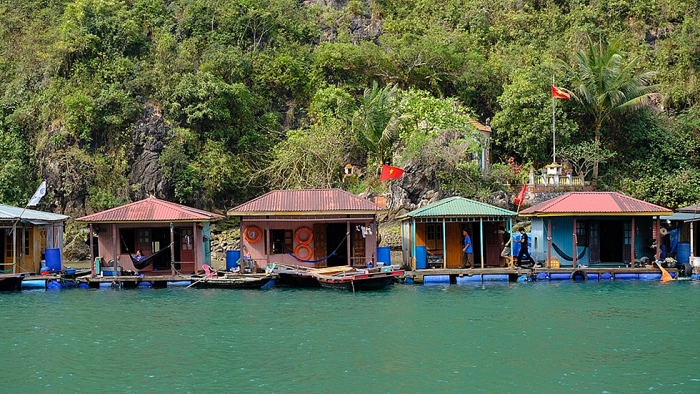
307	248
252	234
308	235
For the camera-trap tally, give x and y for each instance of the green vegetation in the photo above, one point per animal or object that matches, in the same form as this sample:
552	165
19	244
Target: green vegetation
254	95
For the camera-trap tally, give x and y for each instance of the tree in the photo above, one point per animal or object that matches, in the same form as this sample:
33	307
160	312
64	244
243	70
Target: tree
376	123
605	86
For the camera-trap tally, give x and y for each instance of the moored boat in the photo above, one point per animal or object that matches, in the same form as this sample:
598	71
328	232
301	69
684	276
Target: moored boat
11	282
295	276
359	280
243	281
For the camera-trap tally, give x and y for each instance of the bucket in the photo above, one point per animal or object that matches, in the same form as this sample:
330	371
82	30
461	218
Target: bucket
53	259
683	252
421	257
384	255
232	257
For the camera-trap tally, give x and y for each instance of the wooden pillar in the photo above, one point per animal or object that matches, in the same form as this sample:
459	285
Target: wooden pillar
444	244
115	247
575	248
549	243
481	240
633	231
92	248
657	256
172	248
349	241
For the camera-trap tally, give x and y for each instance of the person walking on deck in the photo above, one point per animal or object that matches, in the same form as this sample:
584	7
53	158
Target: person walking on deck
467	251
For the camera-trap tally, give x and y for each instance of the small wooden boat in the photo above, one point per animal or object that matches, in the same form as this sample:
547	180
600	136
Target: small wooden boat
243	281
11	282
295	276
352	279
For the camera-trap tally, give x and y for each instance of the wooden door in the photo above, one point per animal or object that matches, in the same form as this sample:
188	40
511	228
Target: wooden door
594	241
186	245
319	241
357	249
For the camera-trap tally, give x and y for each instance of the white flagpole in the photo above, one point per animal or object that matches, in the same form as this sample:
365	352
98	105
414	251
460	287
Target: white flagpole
554	127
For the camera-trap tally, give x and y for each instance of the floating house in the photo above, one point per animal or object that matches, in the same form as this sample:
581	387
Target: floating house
687	237
594	229
316	227
173	237
37	233
432	235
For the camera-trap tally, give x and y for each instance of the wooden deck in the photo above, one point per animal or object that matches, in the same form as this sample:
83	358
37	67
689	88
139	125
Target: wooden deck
597	273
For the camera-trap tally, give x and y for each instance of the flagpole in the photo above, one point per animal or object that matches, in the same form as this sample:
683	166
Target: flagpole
554	128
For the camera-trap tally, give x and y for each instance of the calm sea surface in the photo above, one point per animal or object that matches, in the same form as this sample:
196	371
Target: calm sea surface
615	337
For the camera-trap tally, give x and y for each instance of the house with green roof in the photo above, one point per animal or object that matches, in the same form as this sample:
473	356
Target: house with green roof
432	235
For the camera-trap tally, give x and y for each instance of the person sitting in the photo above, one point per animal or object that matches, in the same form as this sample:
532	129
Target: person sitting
139	256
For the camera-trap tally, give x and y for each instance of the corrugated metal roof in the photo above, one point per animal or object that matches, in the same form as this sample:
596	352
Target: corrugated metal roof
595	204
8	212
151	210
683	216
690	209
458	207
284	202
480	126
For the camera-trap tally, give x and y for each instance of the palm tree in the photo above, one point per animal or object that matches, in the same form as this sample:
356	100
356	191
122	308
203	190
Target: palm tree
375	122
606	87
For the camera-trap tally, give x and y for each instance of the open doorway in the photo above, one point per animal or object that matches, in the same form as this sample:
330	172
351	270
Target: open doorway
336	240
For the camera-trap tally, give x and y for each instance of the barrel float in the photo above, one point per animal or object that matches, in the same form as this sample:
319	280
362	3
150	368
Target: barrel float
495	277
53	285
468	280
606	276
83	285
178	283
559	276
105	285
592	276
650	276
34	284
144	285
436	280
626	276
542	276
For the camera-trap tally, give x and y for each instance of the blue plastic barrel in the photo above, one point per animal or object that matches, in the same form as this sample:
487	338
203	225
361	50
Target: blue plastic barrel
53	285
495	277
683	252
53	259
468	280
436	280
592	276
559	276
34	284
653	276
626	276
542	276
232	257
421	257
384	255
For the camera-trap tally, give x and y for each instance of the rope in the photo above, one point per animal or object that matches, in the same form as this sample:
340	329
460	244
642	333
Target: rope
9	270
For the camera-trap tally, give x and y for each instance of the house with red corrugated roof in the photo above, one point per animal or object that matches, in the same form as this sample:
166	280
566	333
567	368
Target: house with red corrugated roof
314	227
180	235
594	229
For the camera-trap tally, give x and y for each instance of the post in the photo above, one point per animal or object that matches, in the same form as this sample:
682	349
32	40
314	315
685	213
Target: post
481	240
632	230
92	248
172	248
575	248
549	243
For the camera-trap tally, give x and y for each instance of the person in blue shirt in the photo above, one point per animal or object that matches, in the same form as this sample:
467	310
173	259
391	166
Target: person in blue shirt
467	251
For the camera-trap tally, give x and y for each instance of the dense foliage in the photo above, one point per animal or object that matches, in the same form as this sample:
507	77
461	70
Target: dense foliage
267	94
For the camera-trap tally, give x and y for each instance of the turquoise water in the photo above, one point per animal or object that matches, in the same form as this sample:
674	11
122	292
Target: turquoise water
615	337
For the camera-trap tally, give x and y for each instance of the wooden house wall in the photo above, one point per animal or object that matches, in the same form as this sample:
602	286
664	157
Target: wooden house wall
362	249
39	238
191	257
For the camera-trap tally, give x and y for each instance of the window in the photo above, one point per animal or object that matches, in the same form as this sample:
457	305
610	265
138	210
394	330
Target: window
281	241
145	239
627	231
581	233
434	232
187	240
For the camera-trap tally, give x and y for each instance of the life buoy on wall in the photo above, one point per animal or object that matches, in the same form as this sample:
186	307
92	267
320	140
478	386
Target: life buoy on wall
252	234
303	235
307	254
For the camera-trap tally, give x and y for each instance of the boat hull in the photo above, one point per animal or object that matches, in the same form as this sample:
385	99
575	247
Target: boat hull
11	282
360	282
238	282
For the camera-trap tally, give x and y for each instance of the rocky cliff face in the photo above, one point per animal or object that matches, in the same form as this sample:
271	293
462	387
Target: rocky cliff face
146	176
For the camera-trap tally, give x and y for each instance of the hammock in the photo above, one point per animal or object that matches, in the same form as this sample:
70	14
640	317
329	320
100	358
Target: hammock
9	270
148	260
145	262
565	256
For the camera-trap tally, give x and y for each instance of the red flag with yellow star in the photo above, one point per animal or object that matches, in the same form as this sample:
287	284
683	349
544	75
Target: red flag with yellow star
389	172
558	93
